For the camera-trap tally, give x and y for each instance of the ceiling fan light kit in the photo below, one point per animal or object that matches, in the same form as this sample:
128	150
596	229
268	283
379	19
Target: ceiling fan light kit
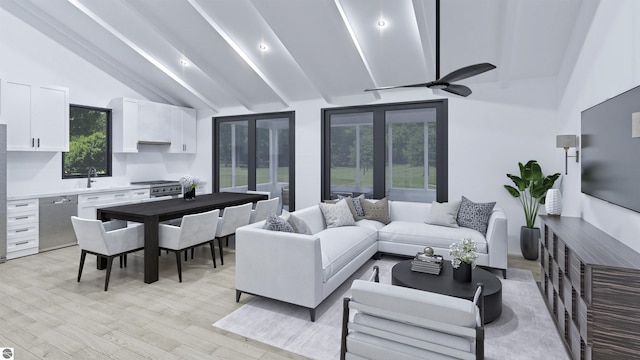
445	83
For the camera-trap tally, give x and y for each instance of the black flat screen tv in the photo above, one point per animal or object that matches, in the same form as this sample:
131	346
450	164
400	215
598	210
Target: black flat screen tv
610	155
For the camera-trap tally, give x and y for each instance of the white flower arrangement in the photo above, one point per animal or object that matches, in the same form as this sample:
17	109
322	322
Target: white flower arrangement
463	252
189	181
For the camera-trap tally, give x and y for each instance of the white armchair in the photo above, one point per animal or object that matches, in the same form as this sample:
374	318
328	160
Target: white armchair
108	239
194	230
232	218
393	322
264	208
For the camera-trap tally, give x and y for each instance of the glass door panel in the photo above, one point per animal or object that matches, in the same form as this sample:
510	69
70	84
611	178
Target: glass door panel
351	170
411	154
233	142
272	158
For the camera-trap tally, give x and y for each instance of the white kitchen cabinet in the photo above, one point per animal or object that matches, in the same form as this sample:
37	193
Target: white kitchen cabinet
37	116
22	228
183	130
89	203
124	120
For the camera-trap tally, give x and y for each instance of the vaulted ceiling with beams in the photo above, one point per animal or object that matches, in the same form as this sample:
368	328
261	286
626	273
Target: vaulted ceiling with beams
265	55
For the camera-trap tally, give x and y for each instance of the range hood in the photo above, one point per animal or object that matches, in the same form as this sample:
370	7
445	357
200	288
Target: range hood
154	123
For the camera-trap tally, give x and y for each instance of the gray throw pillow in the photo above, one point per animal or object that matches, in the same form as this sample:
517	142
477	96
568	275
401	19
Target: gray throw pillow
378	211
276	223
356	207
299	225
475	215
444	214
337	214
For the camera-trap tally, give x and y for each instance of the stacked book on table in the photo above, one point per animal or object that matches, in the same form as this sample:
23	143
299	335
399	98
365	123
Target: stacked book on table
427	264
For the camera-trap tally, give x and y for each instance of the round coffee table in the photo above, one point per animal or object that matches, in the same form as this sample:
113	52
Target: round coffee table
402	275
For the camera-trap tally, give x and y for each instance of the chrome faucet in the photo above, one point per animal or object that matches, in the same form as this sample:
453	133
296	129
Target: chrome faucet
95	173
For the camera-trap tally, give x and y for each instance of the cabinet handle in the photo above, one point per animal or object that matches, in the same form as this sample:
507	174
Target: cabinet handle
33	142
22	243
184	147
21	230
140	193
93	198
21	217
119	195
38	142
21	205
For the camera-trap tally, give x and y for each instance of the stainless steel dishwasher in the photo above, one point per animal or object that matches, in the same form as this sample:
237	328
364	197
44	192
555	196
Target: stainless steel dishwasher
55	214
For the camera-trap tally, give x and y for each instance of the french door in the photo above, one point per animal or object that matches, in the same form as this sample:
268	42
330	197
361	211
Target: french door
256	152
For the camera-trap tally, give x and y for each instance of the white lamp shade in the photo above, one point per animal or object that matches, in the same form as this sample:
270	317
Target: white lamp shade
566	141
553	202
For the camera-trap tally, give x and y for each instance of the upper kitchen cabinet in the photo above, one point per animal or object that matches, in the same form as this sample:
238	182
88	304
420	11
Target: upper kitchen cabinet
37	116
183	130
124	124
153	121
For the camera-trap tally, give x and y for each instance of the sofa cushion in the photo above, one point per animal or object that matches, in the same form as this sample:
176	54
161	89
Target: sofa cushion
409	211
407	232
378	210
444	214
355	205
343	244
475	215
371	224
299	225
338	214
276	223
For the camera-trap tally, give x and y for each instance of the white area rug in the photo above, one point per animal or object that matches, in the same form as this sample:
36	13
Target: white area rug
525	329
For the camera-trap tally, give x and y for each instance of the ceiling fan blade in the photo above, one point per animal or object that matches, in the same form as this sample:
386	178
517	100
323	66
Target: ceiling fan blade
467	72
458	90
401	86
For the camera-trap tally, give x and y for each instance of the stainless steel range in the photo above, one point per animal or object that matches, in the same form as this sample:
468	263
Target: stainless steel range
162	187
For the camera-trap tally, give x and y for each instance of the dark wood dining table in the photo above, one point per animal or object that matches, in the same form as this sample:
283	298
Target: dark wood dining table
154	212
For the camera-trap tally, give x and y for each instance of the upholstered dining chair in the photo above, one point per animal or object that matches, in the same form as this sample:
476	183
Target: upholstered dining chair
264	208
106	239
232	218
194	230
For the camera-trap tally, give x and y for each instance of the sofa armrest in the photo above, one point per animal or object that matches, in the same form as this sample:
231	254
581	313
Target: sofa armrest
497	239
279	265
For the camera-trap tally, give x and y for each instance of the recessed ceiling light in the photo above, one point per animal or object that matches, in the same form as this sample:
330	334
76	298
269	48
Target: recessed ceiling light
184	62
262	46
382	23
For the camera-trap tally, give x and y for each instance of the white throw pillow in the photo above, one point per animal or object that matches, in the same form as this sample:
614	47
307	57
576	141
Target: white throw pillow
444	214
337	214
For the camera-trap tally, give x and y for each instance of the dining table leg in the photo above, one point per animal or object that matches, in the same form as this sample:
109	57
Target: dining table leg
151	249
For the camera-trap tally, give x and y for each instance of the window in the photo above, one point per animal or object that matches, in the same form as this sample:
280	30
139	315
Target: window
256	152
393	150
89	142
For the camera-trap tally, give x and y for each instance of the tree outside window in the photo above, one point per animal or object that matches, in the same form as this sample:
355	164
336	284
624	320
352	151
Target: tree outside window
89	142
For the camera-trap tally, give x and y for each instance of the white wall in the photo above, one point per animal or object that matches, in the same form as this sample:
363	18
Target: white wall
28	55
609	64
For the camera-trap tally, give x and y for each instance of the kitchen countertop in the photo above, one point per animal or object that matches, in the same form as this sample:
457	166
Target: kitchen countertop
78	191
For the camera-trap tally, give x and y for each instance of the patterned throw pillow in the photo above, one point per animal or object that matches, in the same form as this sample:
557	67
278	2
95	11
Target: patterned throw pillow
299	225
378	211
444	214
475	215
337	214
276	223
356	207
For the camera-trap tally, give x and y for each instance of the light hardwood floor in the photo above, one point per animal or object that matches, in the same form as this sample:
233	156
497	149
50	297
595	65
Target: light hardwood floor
46	314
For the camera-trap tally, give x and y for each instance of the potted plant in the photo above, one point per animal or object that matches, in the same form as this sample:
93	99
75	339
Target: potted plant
463	259
189	185
530	188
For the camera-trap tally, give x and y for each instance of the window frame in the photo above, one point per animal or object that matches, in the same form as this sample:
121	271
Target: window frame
109	155
380	144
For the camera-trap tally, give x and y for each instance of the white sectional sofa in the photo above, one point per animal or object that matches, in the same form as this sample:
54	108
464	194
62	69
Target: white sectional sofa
305	269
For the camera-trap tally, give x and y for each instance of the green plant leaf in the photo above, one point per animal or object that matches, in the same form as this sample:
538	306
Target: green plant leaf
536	171
513	191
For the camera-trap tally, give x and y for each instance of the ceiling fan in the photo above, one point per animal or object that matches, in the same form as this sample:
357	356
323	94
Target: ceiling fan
446	82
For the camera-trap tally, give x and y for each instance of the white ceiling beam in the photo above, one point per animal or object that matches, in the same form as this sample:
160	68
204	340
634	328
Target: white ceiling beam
427	32
203	13
343	15
142	53
510	16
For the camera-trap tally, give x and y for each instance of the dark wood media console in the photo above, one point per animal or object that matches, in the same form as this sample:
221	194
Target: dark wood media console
591	283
